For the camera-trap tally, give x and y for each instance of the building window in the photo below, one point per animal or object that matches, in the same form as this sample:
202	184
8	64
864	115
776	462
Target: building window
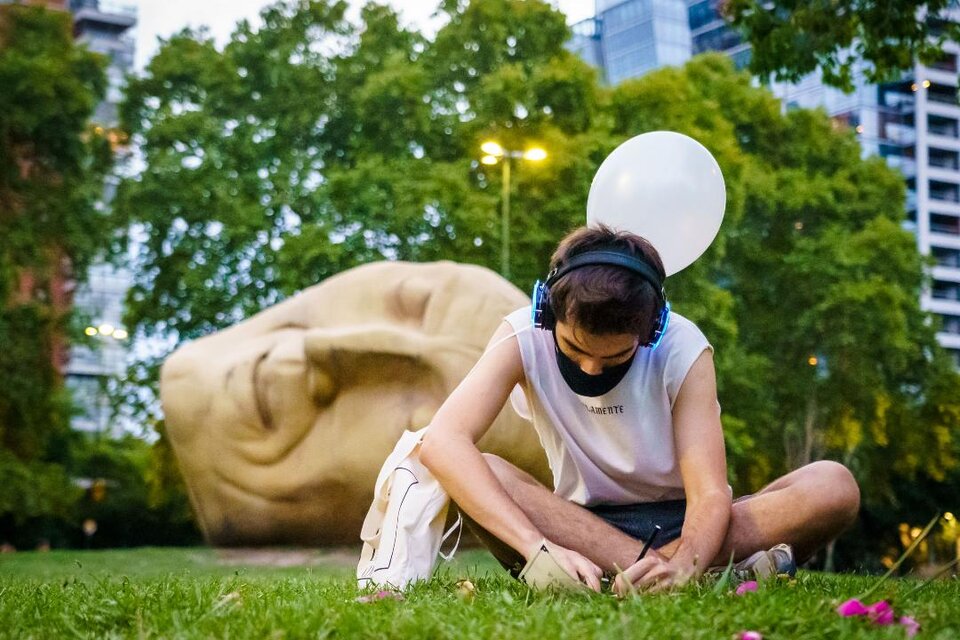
741	59
941	126
955	356
702	13
947	62
942	93
943	158
944	191
946	257
719	39
944	223
951	324
946	290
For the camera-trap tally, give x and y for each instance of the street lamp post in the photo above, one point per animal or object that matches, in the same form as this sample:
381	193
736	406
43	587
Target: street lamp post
494	154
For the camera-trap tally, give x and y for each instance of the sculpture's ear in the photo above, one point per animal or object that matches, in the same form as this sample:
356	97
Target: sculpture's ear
381	353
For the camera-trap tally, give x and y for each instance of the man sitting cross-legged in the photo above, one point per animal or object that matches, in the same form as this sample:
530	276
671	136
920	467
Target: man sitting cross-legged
622	393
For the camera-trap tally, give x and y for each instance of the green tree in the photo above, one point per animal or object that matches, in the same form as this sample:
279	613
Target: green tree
130	496
791	39
52	166
278	161
812	262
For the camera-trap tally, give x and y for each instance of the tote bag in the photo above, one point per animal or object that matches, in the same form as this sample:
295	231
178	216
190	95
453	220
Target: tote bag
403	530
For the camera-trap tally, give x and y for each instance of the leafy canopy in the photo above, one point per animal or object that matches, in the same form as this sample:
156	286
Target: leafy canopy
792	38
313	144
51	170
52	165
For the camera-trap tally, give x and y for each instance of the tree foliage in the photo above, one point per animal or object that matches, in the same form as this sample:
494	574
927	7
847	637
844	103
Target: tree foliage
812	262
791	39
312	144
52	166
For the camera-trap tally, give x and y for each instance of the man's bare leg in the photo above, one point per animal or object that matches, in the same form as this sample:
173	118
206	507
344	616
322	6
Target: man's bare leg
560	521
805	509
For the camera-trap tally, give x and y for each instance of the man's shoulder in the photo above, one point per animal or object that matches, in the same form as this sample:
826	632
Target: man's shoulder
519	318
683	332
682	323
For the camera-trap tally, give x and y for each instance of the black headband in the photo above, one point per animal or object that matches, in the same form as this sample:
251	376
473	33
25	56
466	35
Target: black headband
612	258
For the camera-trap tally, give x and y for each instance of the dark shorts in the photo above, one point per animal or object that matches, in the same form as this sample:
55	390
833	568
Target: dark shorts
638	520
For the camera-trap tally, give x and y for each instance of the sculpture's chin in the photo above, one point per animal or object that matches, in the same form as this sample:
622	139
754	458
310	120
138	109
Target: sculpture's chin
331	515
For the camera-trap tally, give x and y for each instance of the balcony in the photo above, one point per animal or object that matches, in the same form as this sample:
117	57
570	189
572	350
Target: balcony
898	103
906	165
104	16
941	77
900	135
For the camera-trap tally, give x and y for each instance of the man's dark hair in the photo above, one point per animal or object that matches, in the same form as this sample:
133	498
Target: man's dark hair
606	299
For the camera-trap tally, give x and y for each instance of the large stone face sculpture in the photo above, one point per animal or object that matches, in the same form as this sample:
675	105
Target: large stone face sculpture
280	424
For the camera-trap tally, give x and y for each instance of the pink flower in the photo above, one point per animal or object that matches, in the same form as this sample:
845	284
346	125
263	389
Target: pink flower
748	635
852	607
746	587
911	625
380	595
881	613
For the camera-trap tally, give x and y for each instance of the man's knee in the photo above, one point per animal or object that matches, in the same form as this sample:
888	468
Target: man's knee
837	489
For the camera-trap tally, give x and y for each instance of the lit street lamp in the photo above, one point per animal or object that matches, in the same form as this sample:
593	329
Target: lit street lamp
494	154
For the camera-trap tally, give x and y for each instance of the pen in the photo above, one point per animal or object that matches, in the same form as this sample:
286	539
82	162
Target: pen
646	545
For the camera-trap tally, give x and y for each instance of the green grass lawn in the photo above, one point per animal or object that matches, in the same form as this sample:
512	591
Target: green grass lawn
189	593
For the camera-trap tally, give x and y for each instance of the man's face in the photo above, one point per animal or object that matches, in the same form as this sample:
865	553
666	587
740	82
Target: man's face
594	353
281	423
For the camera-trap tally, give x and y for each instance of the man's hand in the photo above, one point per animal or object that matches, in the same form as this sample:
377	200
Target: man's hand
573	563
653	573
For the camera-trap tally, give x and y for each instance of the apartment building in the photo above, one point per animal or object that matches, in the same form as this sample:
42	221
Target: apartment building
106	27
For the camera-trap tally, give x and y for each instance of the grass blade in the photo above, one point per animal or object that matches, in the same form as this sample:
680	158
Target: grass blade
942	571
906	554
724	582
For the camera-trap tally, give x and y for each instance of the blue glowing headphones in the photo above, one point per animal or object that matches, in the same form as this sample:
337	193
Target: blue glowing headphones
542	311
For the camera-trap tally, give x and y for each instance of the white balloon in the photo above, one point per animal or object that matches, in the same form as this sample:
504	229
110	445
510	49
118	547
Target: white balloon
665	187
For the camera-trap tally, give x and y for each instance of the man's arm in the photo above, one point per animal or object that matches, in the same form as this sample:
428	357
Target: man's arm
449	450
698	437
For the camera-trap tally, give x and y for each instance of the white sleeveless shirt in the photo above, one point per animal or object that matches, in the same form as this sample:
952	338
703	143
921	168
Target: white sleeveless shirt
617	448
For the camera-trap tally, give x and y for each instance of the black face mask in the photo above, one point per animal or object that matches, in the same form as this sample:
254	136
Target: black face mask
584	384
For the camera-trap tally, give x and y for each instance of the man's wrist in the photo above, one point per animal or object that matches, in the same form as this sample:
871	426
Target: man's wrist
531	545
687	561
